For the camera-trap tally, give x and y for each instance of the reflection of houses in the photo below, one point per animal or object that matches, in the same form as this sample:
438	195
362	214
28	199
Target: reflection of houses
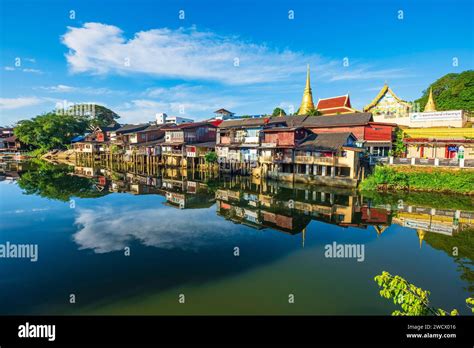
289	208
296	154
187	194
441	221
86	172
186	144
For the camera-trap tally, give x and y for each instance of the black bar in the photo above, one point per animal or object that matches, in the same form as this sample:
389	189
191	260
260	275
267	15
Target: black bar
378	330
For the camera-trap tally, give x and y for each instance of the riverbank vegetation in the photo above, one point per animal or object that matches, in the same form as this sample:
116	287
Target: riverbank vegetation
411	178
56	129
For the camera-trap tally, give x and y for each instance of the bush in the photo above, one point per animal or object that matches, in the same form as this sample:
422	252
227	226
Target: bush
420	179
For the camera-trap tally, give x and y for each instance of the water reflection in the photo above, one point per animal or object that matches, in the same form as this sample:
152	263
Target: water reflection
183	226
279	206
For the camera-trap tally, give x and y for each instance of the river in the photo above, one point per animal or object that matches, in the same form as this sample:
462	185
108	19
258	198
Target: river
117	242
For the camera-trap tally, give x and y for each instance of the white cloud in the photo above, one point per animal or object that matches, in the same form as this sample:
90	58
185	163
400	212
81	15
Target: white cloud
16	103
183	53
190	54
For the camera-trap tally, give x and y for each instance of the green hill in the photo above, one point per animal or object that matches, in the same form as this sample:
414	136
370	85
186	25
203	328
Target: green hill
452	92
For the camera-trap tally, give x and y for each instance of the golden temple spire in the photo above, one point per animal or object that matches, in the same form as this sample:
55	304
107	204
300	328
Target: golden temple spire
421	235
430	104
303	235
307	102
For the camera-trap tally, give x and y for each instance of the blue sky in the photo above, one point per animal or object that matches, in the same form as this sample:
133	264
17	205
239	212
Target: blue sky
139	57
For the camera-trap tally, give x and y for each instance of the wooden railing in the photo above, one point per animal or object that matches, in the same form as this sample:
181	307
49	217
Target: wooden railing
340	161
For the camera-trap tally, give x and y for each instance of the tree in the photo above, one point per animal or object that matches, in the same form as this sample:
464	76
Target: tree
278	112
103	116
413	300
55	129
210	157
56	182
399	148
313	112
451	92
50	130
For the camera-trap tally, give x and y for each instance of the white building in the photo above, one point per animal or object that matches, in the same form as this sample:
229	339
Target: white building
162	118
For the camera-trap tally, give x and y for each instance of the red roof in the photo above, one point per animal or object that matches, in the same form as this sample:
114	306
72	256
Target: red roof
216	122
333	111
334	102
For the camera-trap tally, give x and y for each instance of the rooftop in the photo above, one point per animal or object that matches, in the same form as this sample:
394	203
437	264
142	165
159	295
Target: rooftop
130	128
326	141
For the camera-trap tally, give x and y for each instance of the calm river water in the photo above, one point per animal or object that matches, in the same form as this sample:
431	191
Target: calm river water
117	242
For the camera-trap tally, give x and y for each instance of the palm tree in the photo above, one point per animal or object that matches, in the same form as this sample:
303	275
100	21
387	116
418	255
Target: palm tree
313	112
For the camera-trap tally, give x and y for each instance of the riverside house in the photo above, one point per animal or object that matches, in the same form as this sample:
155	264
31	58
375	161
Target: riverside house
186	144
238	141
299	155
375	137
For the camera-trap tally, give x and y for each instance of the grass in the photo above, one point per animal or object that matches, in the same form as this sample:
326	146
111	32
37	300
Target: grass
420	179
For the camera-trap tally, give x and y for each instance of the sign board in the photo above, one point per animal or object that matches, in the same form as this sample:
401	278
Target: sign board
455	115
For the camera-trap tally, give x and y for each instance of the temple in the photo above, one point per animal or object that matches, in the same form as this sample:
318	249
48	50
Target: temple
307	104
386	106
430	104
335	105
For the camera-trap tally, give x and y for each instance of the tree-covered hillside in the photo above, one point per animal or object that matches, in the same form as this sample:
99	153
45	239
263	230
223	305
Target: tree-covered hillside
451	92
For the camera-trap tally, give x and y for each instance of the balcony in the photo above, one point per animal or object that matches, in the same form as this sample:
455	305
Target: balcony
172	152
276	159
328	161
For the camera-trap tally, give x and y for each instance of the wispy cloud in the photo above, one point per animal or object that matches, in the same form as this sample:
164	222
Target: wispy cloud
367	73
17	103
60	88
25	70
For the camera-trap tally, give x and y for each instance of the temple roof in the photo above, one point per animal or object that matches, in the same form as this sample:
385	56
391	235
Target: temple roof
379	96
334	102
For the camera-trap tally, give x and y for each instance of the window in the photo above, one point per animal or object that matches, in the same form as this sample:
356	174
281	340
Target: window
380	151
